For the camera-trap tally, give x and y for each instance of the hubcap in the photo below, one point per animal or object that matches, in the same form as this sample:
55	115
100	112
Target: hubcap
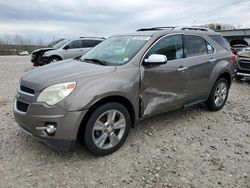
220	94
109	129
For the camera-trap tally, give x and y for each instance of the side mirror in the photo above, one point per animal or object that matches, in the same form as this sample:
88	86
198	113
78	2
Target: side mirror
66	47
156	59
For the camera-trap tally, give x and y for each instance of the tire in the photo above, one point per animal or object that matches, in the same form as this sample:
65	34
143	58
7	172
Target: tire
54	59
218	95
104	138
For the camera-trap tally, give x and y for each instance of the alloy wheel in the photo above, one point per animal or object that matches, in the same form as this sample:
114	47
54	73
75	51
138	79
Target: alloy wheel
109	129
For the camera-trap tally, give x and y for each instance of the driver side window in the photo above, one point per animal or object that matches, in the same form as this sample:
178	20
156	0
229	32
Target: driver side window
170	46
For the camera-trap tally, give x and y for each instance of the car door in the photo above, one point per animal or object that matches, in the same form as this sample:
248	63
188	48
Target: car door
73	49
200	62
164	87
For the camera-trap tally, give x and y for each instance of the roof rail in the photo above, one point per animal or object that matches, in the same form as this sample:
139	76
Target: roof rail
194	29
93	37
156	28
176	28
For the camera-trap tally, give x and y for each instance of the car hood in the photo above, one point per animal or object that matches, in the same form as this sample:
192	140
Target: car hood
60	72
43	50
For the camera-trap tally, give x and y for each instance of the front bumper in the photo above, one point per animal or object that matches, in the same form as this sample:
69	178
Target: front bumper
39	115
243	67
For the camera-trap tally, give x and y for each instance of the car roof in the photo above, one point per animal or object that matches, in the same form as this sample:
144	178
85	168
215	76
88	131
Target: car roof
88	38
153	32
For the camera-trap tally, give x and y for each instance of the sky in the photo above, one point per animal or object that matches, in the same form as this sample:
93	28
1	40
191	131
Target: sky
48	19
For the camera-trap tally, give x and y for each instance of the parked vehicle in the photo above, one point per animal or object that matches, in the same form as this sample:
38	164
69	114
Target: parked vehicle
243	63
55	42
65	49
100	96
23	53
237	48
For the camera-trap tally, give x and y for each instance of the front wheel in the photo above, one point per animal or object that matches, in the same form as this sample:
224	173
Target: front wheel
54	59
107	129
218	95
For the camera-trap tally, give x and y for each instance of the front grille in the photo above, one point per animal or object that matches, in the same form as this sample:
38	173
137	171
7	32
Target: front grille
21	106
244	64
27	90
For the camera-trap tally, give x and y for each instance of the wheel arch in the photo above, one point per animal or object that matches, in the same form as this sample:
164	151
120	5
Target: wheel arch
227	76
116	98
55	55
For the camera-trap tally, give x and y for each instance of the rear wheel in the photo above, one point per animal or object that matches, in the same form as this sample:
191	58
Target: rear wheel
107	129
218	95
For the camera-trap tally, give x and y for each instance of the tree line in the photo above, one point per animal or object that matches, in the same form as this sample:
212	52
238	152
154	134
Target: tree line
21	40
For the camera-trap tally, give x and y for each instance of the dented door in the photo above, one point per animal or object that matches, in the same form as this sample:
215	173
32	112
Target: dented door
164	87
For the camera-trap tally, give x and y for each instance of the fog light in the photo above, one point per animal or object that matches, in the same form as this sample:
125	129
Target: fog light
51	129
48	130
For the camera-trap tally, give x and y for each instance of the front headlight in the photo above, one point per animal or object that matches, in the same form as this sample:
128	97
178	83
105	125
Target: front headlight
56	93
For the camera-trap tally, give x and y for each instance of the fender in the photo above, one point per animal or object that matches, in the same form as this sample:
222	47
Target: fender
51	53
222	67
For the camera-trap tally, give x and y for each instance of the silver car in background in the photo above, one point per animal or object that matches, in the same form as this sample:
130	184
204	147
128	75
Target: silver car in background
65	49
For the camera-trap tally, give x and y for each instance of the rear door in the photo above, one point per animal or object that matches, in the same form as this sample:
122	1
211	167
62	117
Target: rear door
200	62
75	49
163	87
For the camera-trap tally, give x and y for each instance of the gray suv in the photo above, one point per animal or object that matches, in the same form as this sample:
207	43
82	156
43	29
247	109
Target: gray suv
64	49
97	98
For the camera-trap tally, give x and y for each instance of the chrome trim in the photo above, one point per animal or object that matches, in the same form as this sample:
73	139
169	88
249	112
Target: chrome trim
183	34
182	69
242	74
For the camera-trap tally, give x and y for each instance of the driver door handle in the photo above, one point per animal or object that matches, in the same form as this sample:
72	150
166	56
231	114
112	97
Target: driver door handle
212	60
182	68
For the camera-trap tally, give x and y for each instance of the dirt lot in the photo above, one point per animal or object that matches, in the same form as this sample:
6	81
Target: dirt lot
186	148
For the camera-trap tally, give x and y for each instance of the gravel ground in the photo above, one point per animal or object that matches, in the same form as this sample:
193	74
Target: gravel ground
185	148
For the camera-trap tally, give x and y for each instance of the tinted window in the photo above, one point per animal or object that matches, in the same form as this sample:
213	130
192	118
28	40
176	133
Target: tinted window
170	46
90	43
75	44
221	41
195	45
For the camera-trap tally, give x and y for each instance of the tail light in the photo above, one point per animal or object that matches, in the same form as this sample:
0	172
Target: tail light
234	58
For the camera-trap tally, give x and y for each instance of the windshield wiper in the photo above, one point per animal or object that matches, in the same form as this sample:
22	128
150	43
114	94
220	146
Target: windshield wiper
101	62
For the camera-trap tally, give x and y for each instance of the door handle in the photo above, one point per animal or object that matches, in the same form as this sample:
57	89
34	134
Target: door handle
182	68
212	60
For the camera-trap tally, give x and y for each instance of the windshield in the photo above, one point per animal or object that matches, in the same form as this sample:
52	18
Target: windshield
117	50
60	44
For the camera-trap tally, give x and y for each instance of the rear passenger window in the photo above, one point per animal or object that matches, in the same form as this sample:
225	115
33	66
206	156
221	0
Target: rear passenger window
75	44
221	41
170	46
90	43
195	46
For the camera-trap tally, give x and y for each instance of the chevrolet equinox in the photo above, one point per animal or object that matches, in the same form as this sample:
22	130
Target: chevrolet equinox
97	98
